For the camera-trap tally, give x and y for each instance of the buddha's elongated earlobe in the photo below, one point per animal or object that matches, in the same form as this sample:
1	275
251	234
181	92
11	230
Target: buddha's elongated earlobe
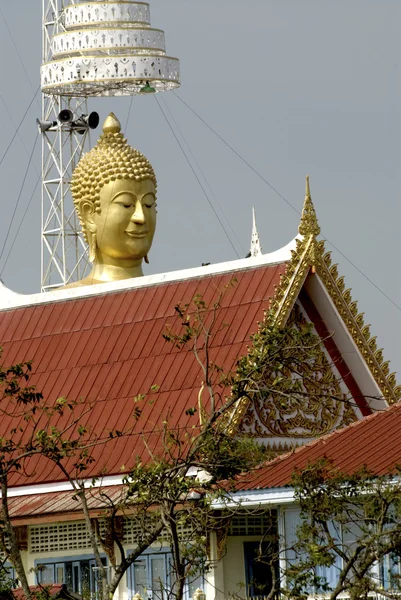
146	259
92	246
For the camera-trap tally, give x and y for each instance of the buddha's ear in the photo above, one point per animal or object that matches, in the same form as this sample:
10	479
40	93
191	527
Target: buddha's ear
87	211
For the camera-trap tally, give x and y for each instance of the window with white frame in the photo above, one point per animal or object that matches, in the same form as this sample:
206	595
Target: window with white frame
390	572
8	573
292	520
80	574
151	575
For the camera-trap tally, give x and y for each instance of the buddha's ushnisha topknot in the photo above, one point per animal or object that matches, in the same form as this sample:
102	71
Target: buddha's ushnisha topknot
112	158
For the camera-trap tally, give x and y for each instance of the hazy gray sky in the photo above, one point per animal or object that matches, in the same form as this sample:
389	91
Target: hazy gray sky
296	87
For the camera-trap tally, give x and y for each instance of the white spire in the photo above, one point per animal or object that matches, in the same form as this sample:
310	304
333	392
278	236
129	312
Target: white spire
256	248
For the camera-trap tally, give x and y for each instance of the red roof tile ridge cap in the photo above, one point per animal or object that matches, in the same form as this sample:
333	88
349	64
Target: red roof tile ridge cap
10	300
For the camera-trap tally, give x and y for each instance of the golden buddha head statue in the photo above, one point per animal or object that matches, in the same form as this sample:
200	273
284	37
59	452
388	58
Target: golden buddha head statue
114	193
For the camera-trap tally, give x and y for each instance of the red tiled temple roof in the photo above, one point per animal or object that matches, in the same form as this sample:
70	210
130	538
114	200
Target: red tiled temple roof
374	442
109	348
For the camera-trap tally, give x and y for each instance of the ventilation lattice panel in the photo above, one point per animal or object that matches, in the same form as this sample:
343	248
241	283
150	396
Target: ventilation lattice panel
62	536
132	532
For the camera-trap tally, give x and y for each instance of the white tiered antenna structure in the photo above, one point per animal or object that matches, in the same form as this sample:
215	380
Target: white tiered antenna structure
97	48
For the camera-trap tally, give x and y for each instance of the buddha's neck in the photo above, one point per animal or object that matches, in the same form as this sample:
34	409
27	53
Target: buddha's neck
109	269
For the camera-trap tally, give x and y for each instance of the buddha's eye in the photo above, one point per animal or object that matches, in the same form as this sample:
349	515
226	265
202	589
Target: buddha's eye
148	200
125	205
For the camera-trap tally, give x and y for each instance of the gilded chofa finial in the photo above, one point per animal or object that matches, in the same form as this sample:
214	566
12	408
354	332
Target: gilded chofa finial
309	224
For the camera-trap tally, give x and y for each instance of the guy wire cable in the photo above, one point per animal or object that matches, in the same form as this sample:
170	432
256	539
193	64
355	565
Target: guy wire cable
19	197
286	201
200	170
197	178
21	222
19	126
236	153
16	49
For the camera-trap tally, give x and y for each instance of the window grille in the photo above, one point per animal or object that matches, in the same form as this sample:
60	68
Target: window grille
61	536
249	524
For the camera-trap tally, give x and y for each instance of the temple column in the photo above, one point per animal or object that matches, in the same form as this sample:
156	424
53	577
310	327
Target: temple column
214	579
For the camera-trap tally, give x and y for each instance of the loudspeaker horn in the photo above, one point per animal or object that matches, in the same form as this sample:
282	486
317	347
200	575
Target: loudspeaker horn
93	120
45	125
86	121
65	116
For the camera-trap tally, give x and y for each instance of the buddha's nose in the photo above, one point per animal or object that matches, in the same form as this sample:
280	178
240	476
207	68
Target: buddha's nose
138	216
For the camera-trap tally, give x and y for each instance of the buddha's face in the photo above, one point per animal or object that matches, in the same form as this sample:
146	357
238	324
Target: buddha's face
126	223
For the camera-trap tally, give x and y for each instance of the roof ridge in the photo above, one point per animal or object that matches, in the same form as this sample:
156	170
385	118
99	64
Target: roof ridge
10	300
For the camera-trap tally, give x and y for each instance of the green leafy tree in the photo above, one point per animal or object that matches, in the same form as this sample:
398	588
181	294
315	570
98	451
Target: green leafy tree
350	524
171	495
29	433
178	486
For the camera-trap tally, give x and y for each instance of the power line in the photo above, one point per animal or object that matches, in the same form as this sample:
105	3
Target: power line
19	197
21	222
237	153
197	177
19	126
364	275
285	199
16	49
201	172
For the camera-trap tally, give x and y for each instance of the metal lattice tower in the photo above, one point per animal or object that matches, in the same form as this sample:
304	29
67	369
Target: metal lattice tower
97	48
63	254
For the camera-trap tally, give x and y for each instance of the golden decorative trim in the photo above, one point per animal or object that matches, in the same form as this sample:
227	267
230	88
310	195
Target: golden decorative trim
221	539
310	254
359	332
283	447
317	413
309	224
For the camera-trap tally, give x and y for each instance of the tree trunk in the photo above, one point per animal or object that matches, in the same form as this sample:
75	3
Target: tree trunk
15	555
103	583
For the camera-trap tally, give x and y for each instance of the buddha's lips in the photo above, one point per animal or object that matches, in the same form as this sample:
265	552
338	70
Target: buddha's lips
137	234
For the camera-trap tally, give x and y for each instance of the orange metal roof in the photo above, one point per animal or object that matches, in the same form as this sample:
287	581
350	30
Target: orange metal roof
30	506
108	348
374	442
